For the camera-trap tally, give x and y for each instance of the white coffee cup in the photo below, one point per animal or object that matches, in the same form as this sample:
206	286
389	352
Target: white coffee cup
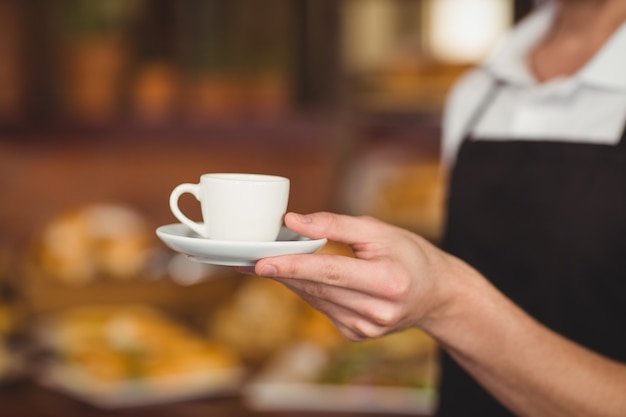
236	207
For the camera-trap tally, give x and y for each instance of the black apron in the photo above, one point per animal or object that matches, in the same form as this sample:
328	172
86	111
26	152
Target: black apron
544	221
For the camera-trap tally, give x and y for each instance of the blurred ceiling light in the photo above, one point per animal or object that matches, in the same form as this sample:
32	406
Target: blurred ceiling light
465	31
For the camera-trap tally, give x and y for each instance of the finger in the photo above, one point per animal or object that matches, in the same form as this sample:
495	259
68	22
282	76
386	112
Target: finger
378	312
340	228
348	321
246	270
333	270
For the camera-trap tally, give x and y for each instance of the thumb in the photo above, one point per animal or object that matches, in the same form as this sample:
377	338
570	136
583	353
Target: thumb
337	227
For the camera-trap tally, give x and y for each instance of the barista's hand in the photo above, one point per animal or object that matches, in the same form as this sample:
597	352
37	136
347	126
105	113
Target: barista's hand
399	280
396	280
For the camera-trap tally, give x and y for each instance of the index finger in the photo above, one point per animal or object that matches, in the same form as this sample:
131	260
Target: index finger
328	269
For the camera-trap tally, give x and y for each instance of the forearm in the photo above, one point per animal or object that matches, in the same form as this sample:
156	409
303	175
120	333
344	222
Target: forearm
397	279
530	369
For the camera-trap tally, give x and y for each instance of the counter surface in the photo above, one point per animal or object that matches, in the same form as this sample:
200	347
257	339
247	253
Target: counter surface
27	399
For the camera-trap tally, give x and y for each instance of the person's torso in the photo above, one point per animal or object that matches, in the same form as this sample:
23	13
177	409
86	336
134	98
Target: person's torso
545	221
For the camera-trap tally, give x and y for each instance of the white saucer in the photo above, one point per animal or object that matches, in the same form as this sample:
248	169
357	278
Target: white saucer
180	238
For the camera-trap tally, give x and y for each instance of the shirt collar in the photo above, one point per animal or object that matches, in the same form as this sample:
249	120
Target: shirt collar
608	68
509	61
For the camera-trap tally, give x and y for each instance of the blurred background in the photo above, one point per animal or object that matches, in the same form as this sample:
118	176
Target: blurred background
107	105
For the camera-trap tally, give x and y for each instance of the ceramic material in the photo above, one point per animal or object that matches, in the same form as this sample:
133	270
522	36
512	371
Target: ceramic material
236	207
232	253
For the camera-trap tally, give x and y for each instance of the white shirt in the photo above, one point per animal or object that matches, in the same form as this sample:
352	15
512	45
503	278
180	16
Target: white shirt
589	106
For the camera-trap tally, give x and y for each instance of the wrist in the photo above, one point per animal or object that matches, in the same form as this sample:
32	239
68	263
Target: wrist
462	295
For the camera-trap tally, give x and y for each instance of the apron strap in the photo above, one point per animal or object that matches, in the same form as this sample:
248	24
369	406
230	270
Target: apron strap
482	107
622	142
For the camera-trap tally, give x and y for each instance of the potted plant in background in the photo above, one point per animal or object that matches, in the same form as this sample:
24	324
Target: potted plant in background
206	57
94	53
235	58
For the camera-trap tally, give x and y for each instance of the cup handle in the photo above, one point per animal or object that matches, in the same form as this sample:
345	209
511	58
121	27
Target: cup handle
175	195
